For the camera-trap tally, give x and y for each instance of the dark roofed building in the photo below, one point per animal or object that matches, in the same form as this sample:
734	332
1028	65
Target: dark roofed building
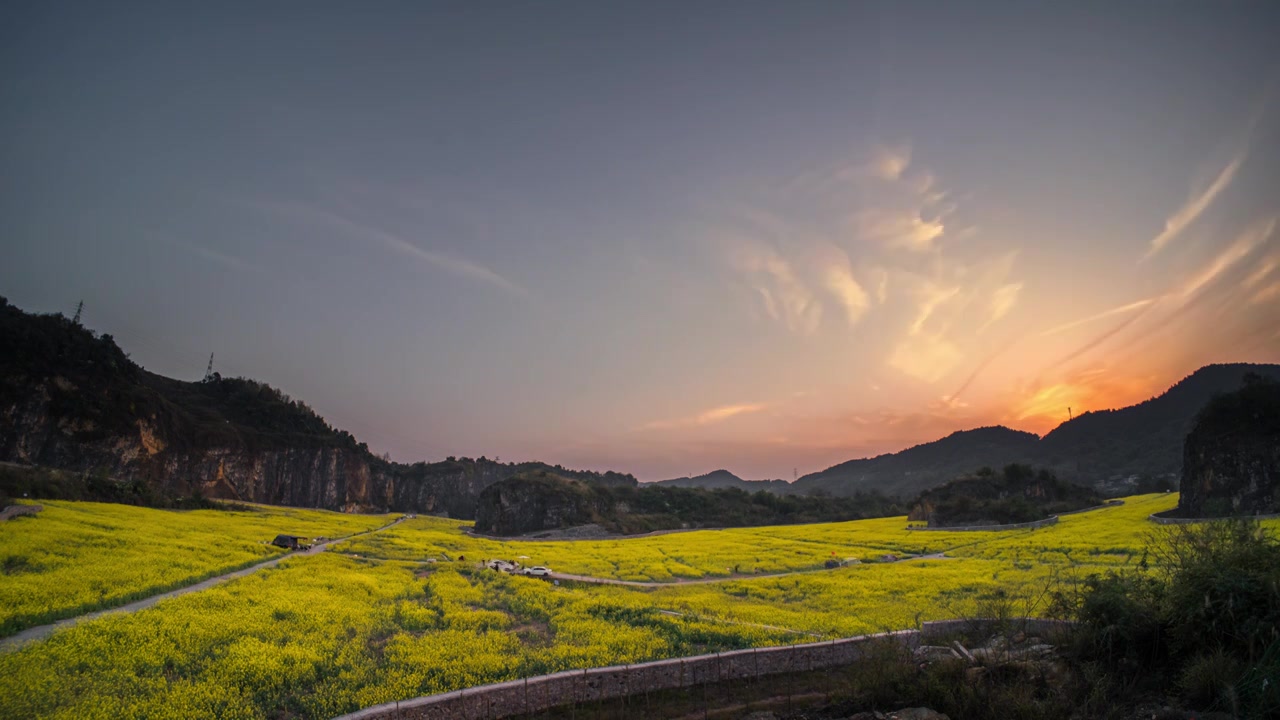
290	542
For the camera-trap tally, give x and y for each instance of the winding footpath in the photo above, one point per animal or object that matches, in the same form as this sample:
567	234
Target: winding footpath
40	632
708	580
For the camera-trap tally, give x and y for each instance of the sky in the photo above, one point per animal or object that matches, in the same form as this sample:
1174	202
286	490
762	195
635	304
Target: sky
660	237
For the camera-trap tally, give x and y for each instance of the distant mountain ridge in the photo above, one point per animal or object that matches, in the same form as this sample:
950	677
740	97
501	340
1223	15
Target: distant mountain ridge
73	400
1100	449
724	479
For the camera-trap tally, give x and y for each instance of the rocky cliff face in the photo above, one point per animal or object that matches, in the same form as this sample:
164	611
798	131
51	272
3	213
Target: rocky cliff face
73	400
1231	458
533	502
307	474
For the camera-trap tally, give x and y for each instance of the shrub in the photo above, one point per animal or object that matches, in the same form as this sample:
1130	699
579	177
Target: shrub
1209	680
1209	614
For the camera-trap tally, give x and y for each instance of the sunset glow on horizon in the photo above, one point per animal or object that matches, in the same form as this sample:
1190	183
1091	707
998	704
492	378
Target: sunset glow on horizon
645	238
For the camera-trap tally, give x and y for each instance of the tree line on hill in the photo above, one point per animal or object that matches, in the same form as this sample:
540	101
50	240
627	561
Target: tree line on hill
73	400
542	500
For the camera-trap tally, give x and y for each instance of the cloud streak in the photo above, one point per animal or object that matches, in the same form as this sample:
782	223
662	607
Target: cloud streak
220	258
453	265
1099	316
900	228
785	296
837	276
1194	207
1002	302
706	417
1177	300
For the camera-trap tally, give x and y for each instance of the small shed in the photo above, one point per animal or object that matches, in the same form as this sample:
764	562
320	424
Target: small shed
289	542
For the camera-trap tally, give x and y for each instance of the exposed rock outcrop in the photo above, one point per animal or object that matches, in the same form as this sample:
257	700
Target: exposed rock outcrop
72	400
535	502
1231	458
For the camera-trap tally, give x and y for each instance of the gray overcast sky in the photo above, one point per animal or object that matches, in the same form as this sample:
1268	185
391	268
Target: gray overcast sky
655	237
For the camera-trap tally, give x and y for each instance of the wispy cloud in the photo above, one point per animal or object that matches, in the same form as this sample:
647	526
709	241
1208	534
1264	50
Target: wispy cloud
221	258
1234	253
889	162
928	357
1266	294
1263	270
706	417
932	297
1194	207
837	276
460	267
1002	301
952	306
785	296
1169	308
903	228
1099	316
882	284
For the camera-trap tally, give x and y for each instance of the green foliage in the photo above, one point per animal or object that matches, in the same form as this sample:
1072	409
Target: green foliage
1018	494
525	502
1208	612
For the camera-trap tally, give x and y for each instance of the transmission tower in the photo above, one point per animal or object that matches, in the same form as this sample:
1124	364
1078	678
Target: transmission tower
79	307
208	371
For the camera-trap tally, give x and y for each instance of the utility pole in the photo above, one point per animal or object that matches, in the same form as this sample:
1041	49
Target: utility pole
795	474
208	371
79	307
1070	416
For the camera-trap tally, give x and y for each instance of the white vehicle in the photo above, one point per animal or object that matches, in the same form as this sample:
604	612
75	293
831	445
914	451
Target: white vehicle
538	570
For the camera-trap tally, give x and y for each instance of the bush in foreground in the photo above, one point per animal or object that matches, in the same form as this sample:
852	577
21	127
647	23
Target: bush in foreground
1207	613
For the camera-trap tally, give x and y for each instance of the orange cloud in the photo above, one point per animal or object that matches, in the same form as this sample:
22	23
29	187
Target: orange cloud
1044	407
706	417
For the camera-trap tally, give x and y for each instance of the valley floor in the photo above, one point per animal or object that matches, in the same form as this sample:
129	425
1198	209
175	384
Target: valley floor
406	611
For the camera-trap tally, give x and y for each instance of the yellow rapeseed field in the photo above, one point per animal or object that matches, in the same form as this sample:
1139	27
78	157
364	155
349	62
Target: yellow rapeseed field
329	633
670	556
78	556
325	634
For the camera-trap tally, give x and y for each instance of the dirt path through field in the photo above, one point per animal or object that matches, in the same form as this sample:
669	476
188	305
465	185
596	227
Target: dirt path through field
707	580
41	632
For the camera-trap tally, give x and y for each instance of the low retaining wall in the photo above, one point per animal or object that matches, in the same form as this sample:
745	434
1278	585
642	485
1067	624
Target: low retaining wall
1052	520
1157	519
1103	506
538	694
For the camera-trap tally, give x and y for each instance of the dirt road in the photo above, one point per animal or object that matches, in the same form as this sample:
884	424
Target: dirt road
707	580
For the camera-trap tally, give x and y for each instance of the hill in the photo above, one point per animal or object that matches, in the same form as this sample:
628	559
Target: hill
1018	494
1111	450
1231	462
73	400
924	466
725	479
541	500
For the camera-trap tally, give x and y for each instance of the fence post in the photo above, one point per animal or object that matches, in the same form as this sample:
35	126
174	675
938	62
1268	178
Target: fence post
626	688
791	674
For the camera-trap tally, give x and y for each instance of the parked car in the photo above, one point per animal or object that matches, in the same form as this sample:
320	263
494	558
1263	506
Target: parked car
537	570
